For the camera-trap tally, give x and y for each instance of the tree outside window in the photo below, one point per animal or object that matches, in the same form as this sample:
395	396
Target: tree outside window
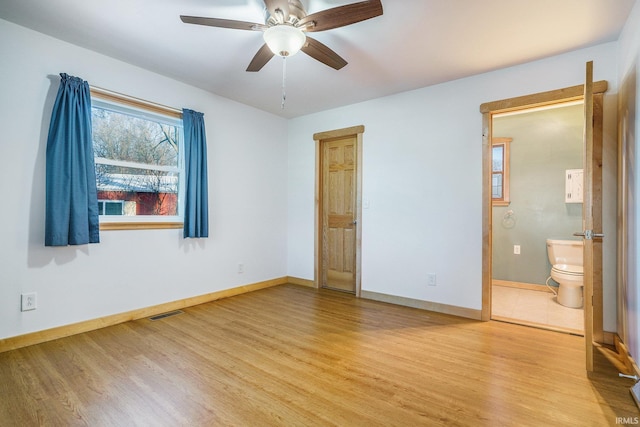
138	162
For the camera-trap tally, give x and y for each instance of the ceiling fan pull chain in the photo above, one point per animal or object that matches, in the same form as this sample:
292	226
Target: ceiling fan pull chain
284	81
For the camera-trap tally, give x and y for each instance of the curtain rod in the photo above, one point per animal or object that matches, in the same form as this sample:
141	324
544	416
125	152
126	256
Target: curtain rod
115	96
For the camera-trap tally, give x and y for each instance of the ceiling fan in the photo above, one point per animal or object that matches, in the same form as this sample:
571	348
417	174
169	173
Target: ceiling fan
287	22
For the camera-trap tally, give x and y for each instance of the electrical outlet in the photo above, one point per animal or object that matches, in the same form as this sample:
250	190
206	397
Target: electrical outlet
29	301
431	279
240	268
516	249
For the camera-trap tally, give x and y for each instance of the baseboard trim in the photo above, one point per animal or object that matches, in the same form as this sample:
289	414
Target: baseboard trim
38	337
520	285
301	282
618	354
468	313
609	337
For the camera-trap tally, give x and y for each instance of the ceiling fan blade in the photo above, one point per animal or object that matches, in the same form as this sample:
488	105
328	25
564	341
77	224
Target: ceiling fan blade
274	5
223	23
340	16
322	53
260	59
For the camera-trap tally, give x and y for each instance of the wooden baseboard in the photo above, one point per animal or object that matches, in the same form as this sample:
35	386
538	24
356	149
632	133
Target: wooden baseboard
407	302
609	338
468	313
624	353
301	282
520	285
37	337
618	355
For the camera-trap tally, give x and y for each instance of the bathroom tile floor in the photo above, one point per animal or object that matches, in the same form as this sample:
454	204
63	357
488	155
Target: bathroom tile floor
535	308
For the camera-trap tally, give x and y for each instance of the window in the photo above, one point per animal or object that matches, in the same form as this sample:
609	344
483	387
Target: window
500	171
110	207
139	163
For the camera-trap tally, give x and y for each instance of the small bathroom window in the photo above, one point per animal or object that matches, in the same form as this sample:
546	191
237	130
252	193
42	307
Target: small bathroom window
500	171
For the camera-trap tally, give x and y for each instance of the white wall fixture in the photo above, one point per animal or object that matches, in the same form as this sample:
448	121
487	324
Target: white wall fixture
573	185
29	301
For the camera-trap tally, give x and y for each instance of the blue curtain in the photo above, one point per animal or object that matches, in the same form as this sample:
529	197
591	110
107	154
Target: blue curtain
71	193
196	214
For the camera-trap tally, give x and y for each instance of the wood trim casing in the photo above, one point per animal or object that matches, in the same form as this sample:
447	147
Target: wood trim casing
130	101
573	93
338	133
487	207
37	337
105	226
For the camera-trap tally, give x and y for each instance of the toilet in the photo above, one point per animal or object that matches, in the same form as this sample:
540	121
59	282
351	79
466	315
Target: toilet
565	257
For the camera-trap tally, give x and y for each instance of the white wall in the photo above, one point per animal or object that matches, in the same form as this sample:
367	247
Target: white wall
629	61
247	151
422	177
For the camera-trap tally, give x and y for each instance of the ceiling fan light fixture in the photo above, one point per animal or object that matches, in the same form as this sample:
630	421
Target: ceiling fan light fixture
284	40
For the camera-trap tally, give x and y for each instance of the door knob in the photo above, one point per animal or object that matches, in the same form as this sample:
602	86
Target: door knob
589	234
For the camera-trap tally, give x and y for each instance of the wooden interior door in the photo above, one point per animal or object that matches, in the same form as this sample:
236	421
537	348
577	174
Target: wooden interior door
591	216
339	219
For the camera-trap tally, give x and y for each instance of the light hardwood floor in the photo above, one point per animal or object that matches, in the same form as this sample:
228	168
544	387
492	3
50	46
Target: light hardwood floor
291	355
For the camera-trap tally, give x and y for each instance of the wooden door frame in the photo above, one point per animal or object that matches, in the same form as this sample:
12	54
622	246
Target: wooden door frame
319	137
573	93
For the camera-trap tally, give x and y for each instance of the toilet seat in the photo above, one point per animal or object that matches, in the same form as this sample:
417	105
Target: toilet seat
570	270
568	275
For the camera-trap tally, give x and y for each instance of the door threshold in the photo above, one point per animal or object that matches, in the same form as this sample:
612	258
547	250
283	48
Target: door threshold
344	291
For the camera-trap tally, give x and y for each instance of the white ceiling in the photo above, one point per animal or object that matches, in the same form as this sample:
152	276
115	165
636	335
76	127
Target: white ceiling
415	43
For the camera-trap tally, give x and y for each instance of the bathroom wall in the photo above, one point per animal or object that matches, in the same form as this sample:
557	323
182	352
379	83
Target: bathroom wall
545	144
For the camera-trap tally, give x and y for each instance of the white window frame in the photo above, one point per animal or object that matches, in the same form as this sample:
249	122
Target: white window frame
104	203
138	108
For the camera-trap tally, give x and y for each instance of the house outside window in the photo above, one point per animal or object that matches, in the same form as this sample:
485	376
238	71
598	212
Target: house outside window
110	207
139	163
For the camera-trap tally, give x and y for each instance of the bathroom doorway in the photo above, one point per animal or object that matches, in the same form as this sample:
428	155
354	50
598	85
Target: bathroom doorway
592	219
545	149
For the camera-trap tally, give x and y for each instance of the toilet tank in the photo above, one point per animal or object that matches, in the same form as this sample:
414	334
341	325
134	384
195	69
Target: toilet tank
564	251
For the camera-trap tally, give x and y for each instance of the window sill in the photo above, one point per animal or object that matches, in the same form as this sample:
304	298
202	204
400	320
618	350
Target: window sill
140	225
501	203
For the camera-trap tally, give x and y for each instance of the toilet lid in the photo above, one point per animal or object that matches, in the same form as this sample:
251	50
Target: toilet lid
569	269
